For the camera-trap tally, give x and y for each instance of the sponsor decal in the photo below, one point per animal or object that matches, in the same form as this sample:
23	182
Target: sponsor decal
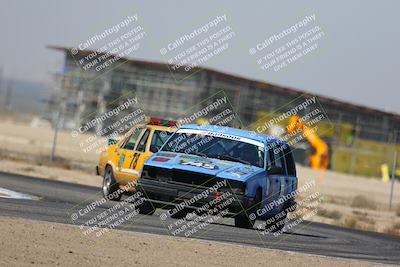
195	159
237	172
121	161
159	159
207	166
198	162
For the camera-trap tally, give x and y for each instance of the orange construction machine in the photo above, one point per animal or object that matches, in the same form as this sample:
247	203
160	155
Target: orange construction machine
319	160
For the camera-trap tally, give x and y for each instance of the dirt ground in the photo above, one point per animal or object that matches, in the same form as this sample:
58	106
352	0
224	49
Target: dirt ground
354	201
348	200
26	243
50	172
16	137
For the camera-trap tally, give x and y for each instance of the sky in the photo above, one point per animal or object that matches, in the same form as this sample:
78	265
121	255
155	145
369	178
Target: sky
356	60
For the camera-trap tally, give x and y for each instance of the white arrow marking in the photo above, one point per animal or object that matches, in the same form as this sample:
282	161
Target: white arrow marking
5	193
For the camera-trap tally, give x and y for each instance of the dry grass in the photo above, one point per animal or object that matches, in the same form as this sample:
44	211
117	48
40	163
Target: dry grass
335	200
361	221
350	222
330	214
393	230
363	217
360	213
44	160
398	211
363	202
368	228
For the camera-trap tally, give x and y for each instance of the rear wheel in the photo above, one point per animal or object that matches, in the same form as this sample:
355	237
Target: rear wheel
110	187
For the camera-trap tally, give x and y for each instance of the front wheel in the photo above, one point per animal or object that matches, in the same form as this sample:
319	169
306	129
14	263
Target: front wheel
277	225
243	221
247	220
146	208
110	187
180	214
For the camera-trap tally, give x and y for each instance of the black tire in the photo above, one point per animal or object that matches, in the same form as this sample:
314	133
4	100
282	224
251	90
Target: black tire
243	221
247	219
110	186
180	214
146	208
279	224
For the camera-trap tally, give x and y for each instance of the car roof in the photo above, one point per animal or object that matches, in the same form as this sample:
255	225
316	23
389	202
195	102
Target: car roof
237	132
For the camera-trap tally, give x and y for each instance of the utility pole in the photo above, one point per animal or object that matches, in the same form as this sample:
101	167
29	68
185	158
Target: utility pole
56	127
7	98
1	80
58	117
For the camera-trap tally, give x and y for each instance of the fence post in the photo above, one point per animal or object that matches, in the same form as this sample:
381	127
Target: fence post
393	177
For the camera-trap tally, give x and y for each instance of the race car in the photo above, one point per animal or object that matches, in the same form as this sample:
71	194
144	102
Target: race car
200	163
122	161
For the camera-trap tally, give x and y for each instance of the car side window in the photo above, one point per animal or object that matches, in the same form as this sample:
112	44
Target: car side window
142	144
290	165
125	140
132	140
277	156
270	159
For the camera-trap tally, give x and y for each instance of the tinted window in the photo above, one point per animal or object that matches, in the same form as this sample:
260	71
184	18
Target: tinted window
132	140
291	168
159	138
277	156
142	144
270	159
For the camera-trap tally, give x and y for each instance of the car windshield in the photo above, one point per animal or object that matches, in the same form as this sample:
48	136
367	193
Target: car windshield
216	147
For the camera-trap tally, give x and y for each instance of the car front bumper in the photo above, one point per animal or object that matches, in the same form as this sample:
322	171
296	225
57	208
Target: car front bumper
170	194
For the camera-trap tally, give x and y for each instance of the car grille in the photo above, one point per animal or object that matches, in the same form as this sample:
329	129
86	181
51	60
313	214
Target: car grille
179	176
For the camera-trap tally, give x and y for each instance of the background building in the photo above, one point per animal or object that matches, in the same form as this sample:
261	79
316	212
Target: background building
373	134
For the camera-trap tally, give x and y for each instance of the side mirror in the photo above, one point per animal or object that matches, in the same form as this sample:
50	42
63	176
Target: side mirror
112	141
154	148
275	170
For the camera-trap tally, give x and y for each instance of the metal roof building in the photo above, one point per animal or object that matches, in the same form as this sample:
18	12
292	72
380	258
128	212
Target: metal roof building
170	95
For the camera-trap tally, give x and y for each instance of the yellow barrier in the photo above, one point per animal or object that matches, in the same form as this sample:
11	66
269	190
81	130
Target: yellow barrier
385	172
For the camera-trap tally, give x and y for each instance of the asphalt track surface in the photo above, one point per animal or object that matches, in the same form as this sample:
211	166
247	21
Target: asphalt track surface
58	200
